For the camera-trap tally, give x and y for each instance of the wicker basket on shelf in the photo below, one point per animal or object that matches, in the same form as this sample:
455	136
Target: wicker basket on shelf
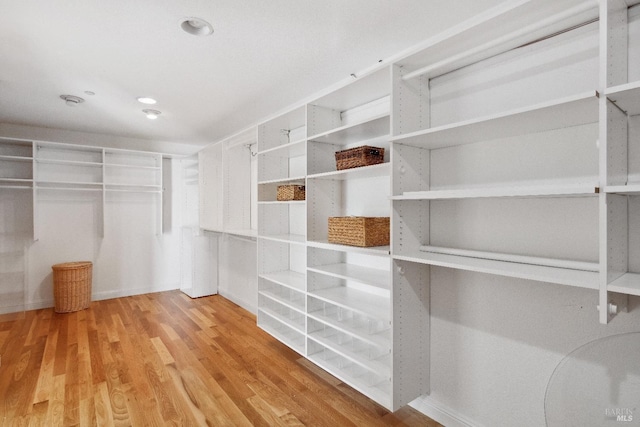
359	156
359	231
290	192
72	286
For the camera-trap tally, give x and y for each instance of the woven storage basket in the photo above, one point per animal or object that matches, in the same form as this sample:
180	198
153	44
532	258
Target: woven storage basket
72	286
359	231
290	192
359	156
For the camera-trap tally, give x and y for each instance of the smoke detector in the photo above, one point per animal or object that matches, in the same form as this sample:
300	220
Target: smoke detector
72	100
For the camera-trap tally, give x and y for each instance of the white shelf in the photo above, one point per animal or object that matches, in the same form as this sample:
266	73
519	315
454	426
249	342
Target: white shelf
15	187
370	128
380	339
542	273
244	233
292	149
285	238
285	334
68	162
359	381
562	113
369	276
283	319
297	306
358	301
376	366
289	279
26	180
150	186
53	184
628	283
16	158
282	202
373	171
292	180
524	191
133	188
629	189
213	230
626	96
373	250
125	166
16	183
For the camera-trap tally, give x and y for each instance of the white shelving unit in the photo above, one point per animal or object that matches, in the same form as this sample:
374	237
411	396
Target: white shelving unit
42	166
68	167
333	303
504	153
507	163
282	230
620	115
16	164
345	282
16	192
132	173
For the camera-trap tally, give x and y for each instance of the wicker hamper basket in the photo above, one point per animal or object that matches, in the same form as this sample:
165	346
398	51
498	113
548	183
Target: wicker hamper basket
359	156
290	192
359	231
72	286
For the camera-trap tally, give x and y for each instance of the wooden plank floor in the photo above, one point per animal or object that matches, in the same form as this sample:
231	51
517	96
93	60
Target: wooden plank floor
165	359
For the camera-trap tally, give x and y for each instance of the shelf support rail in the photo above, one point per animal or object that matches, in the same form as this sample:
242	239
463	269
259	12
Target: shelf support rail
502	40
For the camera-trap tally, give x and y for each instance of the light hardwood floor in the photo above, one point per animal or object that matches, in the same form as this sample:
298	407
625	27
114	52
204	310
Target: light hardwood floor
165	359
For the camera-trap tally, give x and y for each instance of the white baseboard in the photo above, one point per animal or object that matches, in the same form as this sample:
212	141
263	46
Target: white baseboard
98	296
441	413
241	302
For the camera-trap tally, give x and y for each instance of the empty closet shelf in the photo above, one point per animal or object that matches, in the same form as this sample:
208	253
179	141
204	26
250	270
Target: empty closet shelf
563	272
628	283
573	190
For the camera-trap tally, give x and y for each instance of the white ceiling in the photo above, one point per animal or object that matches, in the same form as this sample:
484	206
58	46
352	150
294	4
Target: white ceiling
264	56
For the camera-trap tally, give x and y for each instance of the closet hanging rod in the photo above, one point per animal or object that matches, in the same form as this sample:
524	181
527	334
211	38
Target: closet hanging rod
501	40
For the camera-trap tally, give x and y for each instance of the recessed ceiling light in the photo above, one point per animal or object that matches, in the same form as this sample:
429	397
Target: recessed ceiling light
196	26
151	114
146	100
89	92
72	100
